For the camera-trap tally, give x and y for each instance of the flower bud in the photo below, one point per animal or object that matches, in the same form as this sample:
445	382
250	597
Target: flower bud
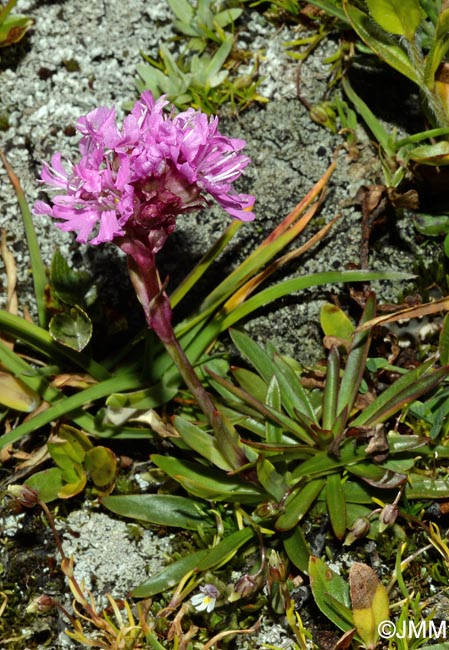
359	529
40	605
279	592
325	115
267	510
24	495
247	585
277	571
387	516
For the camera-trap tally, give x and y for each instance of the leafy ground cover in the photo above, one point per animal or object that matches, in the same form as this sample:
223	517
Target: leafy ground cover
308	499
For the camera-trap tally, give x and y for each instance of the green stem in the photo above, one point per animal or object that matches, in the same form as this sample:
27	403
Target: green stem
190	377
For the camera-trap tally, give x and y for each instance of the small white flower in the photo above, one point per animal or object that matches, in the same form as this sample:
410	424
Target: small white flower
205	601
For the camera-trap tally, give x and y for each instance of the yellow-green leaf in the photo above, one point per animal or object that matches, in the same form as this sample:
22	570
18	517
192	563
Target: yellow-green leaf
76	485
334	322
15	395
101	464
386	48
431	154
47	483
369	600
401	17
69	447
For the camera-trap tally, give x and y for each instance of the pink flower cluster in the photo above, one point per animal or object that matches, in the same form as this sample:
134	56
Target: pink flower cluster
132	183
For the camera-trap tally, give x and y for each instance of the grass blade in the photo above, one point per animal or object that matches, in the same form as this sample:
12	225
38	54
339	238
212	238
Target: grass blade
288	287
37	265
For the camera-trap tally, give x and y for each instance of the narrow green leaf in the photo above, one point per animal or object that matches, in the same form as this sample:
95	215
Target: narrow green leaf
273	432
431	225
251	383
336	505
297	548
270	479
378	475
203	443
301	431
183	10
160	509
431	154
356	362
287	287
199	561
443	345
330	395
71	405
6	10
219	58
37	265
374	125
224	550
322	463
426	487
227	17
168	578
255	354
204	482
403	443
407	388
298	503
293	394
228	441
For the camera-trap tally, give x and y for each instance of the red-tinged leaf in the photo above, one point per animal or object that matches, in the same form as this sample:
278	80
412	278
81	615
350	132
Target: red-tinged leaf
13	29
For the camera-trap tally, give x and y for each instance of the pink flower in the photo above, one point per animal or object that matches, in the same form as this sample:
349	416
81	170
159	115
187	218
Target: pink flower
131	184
